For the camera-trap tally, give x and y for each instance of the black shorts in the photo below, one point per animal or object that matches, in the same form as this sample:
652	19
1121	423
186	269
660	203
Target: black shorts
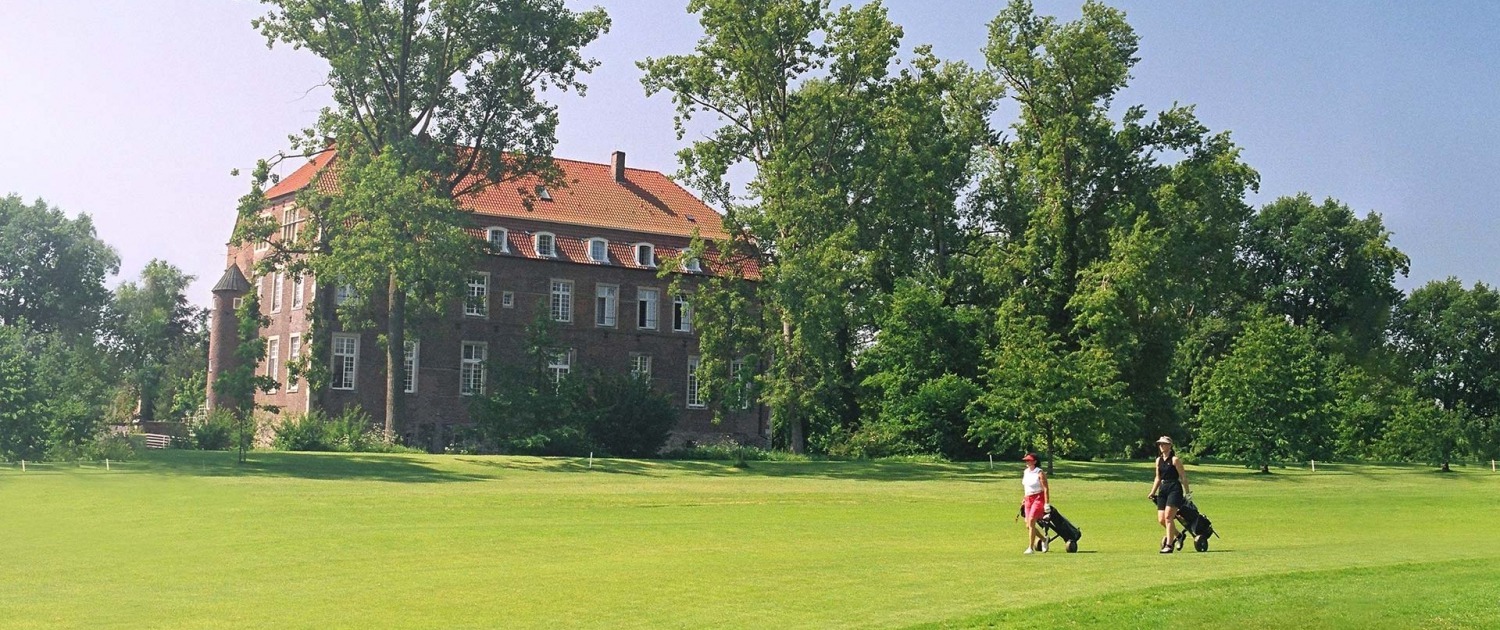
1169	494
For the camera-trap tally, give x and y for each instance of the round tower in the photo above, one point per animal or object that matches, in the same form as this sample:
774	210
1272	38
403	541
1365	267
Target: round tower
223	330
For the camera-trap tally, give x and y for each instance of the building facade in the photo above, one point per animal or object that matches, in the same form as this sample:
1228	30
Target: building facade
587	256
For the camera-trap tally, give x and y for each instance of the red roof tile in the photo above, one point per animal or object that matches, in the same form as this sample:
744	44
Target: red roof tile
647	201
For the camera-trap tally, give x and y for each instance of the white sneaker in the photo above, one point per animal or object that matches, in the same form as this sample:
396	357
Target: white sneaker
1028	551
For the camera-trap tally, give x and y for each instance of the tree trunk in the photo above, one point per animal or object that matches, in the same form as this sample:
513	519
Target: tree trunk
395	356
798	437
1265	469
1445	467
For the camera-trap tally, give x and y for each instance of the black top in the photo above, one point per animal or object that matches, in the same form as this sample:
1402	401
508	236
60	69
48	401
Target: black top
1166	470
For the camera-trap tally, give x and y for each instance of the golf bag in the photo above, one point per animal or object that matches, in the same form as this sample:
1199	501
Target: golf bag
1055	526
1194	524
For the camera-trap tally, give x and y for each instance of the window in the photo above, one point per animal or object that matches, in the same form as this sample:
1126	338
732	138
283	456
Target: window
411	361
499	240
645	255
507	299
562	301
343	293
682	314
640	366
293	352
645	316
691	264
288	226
694	396
237	303
606	304
477	297
278	286
541	193
345	361
741	388
273	360
598	250
297	289
471	368
546	245
560	362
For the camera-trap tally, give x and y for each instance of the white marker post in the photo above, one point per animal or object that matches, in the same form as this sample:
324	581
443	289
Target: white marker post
106	463
1314	465
992	461
591	460
23	465
1492	465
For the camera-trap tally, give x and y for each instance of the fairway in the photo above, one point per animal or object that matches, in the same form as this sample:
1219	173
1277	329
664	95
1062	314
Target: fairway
291	540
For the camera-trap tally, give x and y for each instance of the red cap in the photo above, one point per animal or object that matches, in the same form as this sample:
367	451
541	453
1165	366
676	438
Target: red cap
1029	458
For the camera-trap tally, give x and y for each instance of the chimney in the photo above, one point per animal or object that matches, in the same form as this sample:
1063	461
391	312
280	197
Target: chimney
618	159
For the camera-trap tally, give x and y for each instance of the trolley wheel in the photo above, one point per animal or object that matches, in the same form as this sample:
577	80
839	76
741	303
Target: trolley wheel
1072	546
1037	546
1200	544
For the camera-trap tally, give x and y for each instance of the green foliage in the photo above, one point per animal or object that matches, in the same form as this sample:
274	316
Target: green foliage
1422	430
628	417
54	390
52	268
351	432
1271	399
158	335
1448	337
215	431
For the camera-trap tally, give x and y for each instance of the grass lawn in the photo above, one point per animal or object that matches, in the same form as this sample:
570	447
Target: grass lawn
289	540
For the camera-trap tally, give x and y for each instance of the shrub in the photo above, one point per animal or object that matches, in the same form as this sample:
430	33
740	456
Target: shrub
112	446
629	418
352	431
215	432
303	432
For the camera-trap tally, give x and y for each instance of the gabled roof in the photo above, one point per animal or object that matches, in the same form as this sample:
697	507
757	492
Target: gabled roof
646	201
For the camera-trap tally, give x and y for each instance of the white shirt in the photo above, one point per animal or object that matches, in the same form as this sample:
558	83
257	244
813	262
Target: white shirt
1031	480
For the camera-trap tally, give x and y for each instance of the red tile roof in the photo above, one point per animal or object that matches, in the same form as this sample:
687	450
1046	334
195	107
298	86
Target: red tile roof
647	201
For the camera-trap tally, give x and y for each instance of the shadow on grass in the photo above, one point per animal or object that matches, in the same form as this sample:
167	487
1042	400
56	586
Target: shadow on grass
329	466
852	470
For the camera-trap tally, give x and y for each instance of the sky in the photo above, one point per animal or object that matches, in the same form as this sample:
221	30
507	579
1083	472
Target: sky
136	112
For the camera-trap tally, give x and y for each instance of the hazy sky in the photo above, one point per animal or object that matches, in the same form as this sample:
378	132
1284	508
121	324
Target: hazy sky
135	112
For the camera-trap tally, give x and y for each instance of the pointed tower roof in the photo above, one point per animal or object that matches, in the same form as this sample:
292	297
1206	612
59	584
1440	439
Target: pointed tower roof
233	281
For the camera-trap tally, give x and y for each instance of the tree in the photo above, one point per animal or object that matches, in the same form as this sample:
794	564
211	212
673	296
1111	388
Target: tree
856	170
1324	267
1271	399
1040	394
1423	430
1120	235
52	268
151	322
435	100
1448	339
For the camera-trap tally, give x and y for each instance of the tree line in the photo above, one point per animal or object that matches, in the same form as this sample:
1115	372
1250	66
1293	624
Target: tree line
1077	282
77	356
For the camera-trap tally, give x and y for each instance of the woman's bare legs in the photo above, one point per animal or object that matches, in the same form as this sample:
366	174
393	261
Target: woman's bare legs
1168	520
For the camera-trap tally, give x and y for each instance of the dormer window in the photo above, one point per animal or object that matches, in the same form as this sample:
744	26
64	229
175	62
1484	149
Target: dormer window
499	240
541	193
598	250
691	264
546	245
645	255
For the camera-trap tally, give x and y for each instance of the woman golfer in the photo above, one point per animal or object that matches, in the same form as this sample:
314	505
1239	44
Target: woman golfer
1170	490
1035	502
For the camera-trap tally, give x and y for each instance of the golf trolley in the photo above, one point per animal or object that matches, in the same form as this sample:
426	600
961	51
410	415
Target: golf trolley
1055	526
1193	523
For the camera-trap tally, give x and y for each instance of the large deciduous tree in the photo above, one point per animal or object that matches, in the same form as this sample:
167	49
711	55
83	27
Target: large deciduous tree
855	167
150	322
1449	339
52	268
435	100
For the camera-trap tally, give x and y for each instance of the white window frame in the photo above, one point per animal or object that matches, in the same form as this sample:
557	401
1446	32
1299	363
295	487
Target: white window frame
694	392
299	286
273	360
682	314
342	293
650	319
560	363
606	305
640	366
649	260
742	390
351	363
507	299
471	367
536	243
293	351
601	256
290	217
691	263
477	295
500	245
278	287
411	358
237	303
561	302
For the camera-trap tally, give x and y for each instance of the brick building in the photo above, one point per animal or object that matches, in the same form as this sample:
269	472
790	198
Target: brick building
587	253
